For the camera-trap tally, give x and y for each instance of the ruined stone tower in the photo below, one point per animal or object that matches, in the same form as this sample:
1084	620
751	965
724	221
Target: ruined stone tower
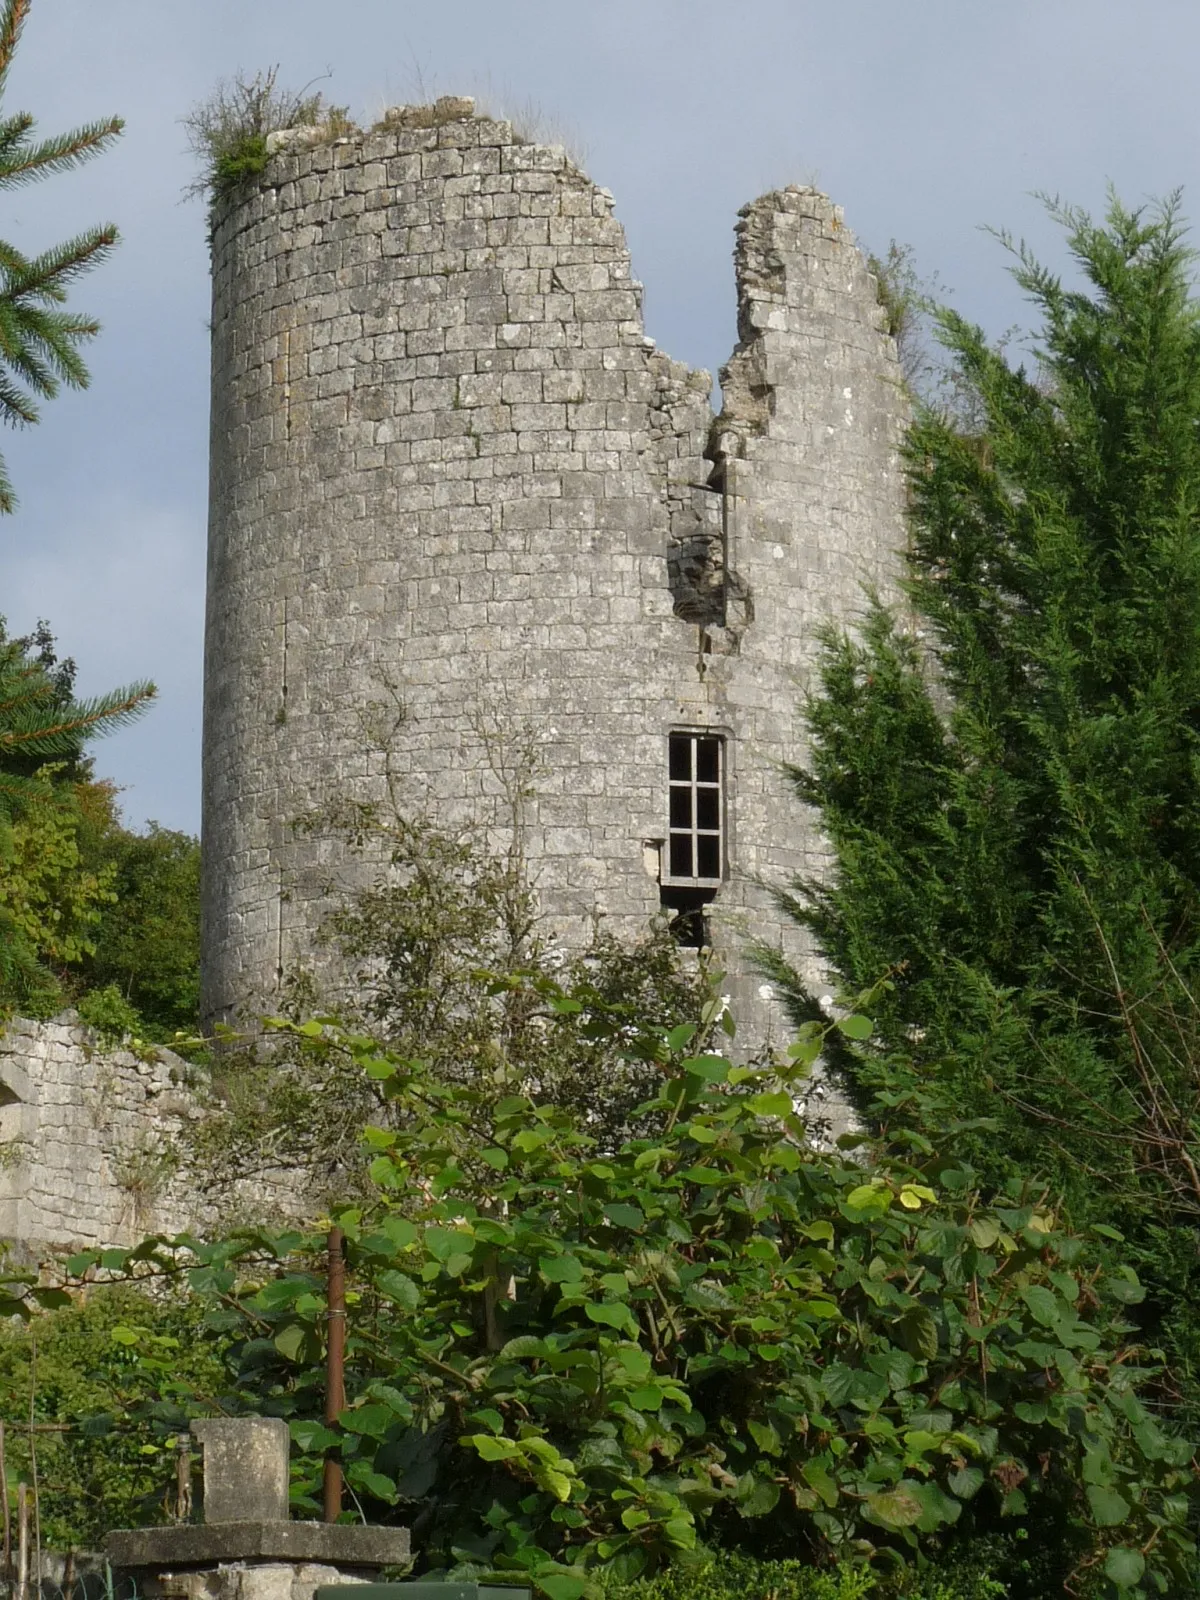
445	458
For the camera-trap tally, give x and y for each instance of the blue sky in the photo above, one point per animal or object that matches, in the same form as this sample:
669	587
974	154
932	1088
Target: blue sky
925	119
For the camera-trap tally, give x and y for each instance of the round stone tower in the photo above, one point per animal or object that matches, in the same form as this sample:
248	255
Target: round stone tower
449	468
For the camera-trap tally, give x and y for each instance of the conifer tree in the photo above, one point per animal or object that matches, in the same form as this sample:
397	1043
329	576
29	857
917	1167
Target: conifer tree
49	896
39	341
44	898
1011	782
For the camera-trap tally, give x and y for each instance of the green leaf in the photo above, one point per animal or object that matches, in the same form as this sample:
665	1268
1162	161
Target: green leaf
899	1507
490	1448
647	1397
561	1269
399	1288
400	1231
764	1436
816	1475
678	1038
374	1420
523	1347
965	1481
1108	1507
442	1243
1043	1303
611	1314
821	1310
760	1498
364	1478
770	1105
856	1027
712	1069
312	1436
560	1585
919	1332
1124	1566
291	1340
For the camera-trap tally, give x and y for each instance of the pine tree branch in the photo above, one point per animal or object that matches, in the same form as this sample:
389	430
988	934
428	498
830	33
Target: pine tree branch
12	20
26	163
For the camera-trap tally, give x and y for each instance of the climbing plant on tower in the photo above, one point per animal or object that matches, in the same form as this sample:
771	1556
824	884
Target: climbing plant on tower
1009	783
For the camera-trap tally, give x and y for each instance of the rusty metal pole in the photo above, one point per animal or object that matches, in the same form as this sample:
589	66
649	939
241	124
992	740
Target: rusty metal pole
335	1368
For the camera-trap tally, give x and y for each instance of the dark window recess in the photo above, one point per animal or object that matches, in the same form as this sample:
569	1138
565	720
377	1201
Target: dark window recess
686	908
695	856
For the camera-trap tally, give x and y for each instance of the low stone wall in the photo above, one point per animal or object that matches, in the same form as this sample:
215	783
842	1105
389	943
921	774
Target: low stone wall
93	1145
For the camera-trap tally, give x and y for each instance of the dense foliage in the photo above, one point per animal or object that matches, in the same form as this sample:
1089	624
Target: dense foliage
565	1359
51	896
107	1383
1011	789
728	1575
146	944
415	943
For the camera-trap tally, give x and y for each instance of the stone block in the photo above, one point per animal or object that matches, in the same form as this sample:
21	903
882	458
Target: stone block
245	1468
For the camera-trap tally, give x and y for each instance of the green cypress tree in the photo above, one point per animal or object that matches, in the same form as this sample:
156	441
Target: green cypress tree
39	341
1009	774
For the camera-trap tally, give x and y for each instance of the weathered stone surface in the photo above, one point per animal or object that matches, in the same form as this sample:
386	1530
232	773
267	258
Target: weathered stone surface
446	458
245	1468
330	1544
93	1149
242	1580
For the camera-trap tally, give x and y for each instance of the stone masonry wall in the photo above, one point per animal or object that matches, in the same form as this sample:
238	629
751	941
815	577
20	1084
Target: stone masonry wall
448	466
92	1151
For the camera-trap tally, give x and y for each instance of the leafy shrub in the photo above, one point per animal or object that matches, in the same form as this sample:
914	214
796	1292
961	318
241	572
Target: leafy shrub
147	938
228	131
110	1014
565	1360
730	1575
120	1375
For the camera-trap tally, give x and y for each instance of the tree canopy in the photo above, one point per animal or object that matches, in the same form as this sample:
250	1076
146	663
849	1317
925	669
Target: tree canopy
1008	769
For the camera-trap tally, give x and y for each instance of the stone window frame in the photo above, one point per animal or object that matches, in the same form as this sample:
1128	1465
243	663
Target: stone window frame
691	814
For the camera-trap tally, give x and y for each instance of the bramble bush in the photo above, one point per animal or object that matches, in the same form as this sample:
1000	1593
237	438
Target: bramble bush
569	1363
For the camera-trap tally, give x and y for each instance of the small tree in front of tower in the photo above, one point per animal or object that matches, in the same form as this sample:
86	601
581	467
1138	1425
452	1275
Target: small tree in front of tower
432	945
1010	787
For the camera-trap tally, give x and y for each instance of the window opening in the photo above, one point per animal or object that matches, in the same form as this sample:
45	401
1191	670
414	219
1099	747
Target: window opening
695	852
695	830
